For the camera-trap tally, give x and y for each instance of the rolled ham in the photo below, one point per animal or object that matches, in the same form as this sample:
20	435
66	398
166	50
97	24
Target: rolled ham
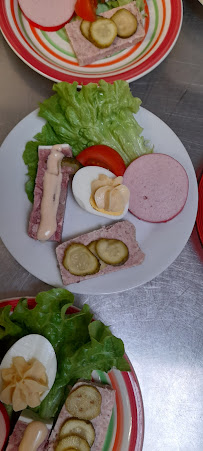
158	187
48	14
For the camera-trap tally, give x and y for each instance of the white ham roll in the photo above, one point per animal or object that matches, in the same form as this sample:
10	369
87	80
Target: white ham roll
158	187
48	14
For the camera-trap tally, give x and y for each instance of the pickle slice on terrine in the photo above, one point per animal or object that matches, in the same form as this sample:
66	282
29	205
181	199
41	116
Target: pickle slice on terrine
126	23
72	442
78	260
84	402
103	32
82	428
112	252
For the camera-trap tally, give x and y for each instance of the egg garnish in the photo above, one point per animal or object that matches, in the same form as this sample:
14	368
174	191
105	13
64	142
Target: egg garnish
99	192
27	372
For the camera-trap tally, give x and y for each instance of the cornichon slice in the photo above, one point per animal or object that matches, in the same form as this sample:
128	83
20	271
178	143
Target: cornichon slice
73	442
82	428
103	32
112	252
72	163
126	23
92	248
84	402
80	261
85	28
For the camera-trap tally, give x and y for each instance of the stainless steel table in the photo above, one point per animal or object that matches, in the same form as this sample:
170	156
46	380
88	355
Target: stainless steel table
160	322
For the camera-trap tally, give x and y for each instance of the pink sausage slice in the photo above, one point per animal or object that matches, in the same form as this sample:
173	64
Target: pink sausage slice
48	14
158	187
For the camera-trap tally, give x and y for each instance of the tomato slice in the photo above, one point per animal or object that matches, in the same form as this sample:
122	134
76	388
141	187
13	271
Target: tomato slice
104	156
86	9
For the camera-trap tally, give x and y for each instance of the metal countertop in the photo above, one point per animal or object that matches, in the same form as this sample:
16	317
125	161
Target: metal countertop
161	322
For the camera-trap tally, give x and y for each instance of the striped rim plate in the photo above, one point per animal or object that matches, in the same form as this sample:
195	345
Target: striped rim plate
126	427
50	53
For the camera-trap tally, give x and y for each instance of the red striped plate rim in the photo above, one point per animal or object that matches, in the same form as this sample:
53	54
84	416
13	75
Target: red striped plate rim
159	54
132	386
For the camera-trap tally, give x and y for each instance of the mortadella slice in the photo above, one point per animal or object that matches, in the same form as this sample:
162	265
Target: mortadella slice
48	14
158	187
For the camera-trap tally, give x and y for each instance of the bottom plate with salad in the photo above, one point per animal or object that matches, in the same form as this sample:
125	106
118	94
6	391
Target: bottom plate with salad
93	401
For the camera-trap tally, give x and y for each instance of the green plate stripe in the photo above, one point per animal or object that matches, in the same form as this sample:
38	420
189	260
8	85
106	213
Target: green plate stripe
62	34
52	43
109	433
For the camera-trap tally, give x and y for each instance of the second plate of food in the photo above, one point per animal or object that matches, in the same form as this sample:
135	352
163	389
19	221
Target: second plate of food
50	52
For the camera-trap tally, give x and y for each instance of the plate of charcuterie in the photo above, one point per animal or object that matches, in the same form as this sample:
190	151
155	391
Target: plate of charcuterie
51	53
117	419
116	225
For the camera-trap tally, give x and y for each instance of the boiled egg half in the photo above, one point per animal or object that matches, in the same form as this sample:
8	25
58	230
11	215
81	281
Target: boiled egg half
99	192
30	347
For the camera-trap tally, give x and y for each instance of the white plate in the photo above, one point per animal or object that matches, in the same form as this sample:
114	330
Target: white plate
161	243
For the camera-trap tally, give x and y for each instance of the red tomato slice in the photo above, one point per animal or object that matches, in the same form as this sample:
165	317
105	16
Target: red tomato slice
103	156
86	9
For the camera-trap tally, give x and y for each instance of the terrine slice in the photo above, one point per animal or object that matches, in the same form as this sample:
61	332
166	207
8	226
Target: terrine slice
34	222
100	423
25	418
87	52
123	230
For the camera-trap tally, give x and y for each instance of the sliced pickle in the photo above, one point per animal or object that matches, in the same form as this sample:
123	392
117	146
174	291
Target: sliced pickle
85	28
80	261
126	23
82	428
72	442
103	32
84	402
72	163
92	248
112	252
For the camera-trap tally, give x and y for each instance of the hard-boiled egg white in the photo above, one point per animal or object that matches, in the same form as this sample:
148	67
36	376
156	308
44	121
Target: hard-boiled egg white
33	346
81	187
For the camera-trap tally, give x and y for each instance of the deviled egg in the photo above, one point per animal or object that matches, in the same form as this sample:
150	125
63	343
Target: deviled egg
99	192
27	372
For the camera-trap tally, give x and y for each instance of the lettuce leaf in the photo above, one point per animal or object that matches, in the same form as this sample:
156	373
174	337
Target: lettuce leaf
81	346
97	114
102	7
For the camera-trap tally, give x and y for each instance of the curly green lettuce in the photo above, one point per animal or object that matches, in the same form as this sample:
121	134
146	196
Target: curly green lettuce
100	113
81	345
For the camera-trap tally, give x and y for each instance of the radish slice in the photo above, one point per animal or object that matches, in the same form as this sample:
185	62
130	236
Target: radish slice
158	187
48	14
4	426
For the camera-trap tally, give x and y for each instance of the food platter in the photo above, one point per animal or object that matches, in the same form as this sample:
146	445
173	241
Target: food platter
126	428
50	54
161	243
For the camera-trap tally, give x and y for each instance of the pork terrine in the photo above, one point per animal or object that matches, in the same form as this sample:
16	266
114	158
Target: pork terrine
34	222
19	429
100	423
87	52
123	230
